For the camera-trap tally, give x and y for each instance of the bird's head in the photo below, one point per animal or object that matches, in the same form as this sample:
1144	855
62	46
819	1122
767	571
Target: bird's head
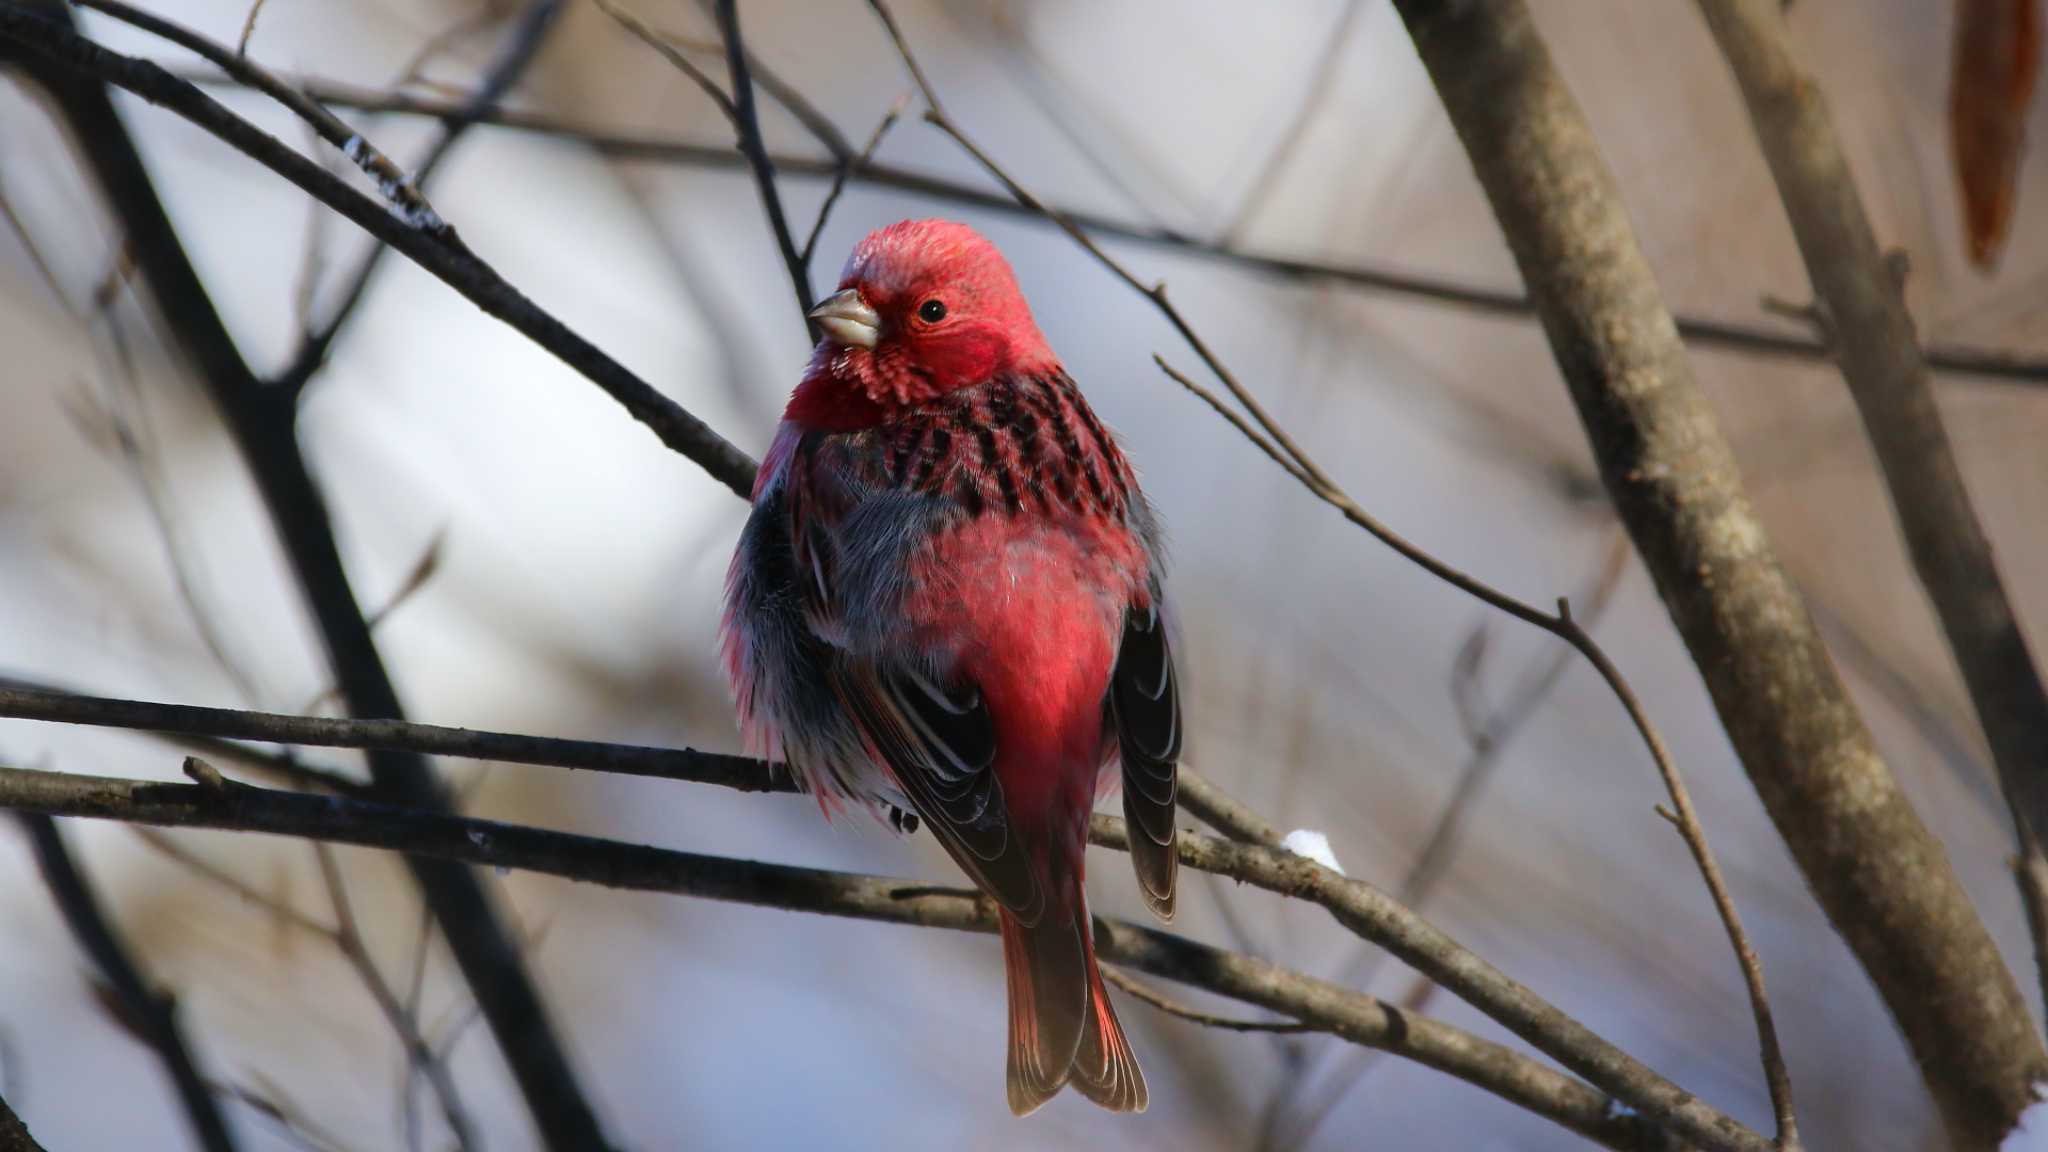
924	307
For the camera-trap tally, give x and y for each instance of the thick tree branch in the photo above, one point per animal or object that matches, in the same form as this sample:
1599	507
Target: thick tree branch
1359	906
1879	353
151	1014
1881	876
1354	1016
263	422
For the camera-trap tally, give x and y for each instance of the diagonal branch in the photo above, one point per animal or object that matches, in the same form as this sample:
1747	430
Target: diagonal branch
1880	357
214	803
151	1014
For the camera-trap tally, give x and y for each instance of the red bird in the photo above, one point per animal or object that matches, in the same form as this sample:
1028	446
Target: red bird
949	595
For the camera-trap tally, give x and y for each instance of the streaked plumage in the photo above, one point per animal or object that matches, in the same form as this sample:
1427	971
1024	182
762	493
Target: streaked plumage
950	595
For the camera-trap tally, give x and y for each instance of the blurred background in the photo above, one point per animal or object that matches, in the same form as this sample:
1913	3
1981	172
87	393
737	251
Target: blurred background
573	565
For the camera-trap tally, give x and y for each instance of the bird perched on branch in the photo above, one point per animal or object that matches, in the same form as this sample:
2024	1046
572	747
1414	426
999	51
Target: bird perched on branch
950	595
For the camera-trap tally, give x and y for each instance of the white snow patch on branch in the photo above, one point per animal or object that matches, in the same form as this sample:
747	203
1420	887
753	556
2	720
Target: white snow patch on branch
1316	846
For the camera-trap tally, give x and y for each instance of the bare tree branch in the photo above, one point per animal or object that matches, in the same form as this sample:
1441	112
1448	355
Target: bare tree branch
1882	877
1875	343
1359	1018
150	1013
1360	907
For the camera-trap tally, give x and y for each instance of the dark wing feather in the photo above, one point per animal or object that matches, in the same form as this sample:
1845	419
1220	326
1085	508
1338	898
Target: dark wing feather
940	744
1144	703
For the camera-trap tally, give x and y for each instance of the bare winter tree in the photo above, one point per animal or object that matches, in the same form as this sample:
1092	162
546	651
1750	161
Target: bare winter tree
1658	467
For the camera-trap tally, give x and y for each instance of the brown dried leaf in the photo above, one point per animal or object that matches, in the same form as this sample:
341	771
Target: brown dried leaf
1997	56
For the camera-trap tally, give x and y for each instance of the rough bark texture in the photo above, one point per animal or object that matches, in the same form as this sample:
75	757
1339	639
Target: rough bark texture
1875	343
1881	876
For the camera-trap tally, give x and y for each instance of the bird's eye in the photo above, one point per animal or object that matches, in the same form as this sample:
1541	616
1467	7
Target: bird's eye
932	311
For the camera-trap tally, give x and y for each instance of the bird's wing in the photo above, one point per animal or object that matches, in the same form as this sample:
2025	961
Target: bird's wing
1144	704
940	743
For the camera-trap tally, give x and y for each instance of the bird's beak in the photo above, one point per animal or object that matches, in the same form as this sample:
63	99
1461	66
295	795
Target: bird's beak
847	319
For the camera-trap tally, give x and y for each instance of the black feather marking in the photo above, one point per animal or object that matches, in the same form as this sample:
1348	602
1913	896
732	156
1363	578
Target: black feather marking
1144	703
1067	466
968	493
992	462
1106	452
937	446
1067	401
939	743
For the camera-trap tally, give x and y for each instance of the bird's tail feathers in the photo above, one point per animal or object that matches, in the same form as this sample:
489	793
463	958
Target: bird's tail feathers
1062	1026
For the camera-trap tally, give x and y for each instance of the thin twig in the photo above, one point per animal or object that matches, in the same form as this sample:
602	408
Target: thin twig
756	151
420	1057
674	54
1139	990
249	27
847	169
280	910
